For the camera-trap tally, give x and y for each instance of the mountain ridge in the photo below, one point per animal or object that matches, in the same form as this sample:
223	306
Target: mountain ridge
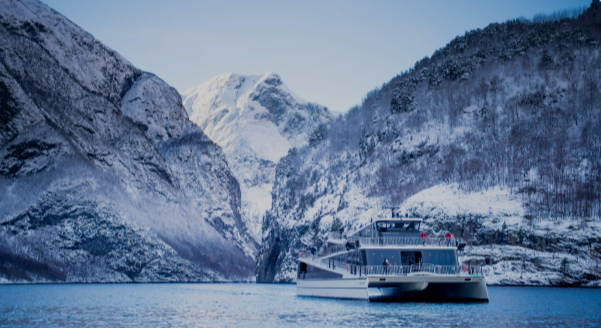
96	153
256	119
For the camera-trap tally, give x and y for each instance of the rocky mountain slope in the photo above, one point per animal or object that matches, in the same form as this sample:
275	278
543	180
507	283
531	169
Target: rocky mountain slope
256	119
496	137
102	176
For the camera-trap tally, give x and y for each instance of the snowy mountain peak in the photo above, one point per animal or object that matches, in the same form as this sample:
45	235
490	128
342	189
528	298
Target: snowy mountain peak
256	119
242	92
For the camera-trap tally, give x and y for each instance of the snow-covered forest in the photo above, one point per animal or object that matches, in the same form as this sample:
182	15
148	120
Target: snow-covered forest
514	108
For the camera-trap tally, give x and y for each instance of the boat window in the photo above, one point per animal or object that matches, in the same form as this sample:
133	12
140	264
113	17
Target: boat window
440	257
376	257
407	226
410	258
411	226
312	272
389	225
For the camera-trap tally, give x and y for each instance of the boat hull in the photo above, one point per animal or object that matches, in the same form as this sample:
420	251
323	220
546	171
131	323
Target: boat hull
334	288
399	288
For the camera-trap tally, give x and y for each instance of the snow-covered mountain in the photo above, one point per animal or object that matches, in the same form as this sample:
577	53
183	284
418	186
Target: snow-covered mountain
495	138
256	120
102	175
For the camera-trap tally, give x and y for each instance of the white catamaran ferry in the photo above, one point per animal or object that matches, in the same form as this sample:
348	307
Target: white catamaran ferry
389	260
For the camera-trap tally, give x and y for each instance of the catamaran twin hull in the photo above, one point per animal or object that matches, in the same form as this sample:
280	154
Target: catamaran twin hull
390	259
398	288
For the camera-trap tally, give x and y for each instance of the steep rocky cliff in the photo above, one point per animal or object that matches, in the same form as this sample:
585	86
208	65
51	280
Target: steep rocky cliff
496	137
102	176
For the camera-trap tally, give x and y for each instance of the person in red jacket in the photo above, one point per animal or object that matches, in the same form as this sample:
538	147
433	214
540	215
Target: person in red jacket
422	236
448	236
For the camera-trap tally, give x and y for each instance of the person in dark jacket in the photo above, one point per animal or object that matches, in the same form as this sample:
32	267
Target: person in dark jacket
386	264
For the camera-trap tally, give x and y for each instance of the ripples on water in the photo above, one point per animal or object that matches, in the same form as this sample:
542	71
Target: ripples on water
250	305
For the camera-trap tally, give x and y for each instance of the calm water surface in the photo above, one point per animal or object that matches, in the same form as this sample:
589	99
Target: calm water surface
250	305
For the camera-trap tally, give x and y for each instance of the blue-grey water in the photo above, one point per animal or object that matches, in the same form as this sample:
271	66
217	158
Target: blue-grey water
257	305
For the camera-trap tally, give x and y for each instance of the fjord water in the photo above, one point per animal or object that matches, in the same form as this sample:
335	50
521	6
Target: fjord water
258	305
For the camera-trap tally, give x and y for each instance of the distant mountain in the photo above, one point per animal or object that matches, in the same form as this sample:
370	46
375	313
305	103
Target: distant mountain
102	176
496	138
256	120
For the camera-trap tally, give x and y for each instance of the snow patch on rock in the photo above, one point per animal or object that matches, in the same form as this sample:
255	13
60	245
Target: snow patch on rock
449	200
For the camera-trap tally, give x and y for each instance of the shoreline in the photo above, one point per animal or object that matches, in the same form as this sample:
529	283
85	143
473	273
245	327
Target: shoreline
240	282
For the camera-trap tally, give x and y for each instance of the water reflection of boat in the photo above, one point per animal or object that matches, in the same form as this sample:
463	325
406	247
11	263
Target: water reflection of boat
389	260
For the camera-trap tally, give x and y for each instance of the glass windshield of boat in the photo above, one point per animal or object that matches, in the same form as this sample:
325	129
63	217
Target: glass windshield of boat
307	271
365	232
387	226
352	257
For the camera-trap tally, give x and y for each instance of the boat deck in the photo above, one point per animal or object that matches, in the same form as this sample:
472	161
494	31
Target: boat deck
354	271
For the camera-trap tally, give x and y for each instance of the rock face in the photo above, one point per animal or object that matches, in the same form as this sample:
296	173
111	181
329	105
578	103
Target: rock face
495	138
102	176
256	119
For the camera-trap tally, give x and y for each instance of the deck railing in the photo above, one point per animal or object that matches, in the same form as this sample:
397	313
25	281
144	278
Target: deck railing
393	241
355	242
406	241
332	250
403	270
397	270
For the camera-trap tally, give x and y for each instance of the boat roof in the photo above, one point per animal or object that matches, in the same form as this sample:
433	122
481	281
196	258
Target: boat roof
399	220
408	247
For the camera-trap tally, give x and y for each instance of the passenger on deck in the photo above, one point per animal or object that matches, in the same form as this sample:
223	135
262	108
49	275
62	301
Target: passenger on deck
422	236
385	264
448	236
349	245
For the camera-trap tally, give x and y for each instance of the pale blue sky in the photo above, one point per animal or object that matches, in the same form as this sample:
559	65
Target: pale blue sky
329	52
